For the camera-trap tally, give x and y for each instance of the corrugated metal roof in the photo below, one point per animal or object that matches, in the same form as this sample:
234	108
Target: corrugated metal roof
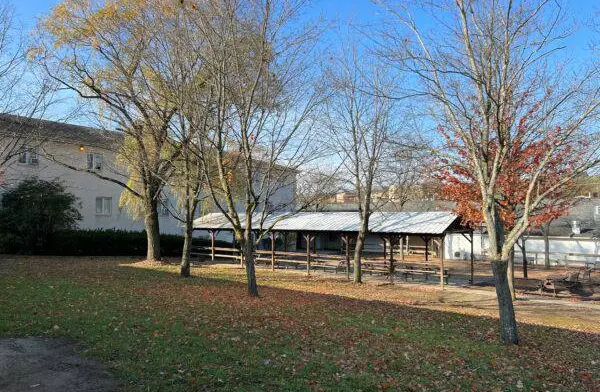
436	222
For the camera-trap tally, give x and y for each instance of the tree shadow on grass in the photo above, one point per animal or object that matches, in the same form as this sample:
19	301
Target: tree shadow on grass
459	345
151	321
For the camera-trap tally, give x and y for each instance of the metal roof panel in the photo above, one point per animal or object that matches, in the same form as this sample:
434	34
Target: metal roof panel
433	222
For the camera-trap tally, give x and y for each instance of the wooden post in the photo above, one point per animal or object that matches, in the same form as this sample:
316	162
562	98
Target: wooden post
212	245
472	258
402	247
384	249
392	267
442	263
285	241
272	250
426	239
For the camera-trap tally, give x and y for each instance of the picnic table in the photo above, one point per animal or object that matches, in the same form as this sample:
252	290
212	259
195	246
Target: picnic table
425	269
557	283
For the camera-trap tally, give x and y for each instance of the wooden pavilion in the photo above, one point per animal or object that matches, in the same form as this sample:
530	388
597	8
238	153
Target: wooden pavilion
394	228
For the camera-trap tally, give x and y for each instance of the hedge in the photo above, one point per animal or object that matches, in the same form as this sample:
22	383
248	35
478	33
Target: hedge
107	243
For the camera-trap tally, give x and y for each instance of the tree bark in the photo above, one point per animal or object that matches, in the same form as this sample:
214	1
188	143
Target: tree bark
360	243
511	274
152	231
508	323
184	269
248	250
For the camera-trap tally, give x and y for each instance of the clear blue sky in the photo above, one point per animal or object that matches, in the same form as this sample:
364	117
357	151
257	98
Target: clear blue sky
362	12
357	11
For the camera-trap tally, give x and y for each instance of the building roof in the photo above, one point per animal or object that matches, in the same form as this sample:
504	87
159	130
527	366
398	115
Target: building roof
46	130
434	223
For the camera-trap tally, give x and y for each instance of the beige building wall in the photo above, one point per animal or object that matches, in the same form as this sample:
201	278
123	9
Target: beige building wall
52	158
86	186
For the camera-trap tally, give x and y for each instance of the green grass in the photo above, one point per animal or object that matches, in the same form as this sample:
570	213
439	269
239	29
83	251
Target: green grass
156	331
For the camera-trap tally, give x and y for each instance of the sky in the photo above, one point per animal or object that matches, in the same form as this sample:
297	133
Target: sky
364	12
358	12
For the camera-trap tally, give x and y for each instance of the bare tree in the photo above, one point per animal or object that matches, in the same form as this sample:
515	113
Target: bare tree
491	72
23	94
259	76
361	123
316	187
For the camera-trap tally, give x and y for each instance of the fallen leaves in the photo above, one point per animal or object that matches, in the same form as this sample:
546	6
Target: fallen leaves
300	334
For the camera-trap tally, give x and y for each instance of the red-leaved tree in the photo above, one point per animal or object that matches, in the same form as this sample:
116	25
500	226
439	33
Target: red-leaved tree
516	118
525	153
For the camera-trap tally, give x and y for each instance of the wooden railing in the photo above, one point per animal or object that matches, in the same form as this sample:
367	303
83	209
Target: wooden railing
325	261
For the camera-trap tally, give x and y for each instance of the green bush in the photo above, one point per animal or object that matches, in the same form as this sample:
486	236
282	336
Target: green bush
103	243
33	212
113	243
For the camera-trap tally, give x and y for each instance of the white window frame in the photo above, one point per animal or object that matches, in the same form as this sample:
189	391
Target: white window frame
95	161
105	204
28	156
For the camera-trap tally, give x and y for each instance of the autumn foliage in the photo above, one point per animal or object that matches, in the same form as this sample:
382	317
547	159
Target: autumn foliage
519	164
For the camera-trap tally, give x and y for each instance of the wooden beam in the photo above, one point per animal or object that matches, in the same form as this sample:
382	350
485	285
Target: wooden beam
467	238
272	234
442	262
426	239
472	257
402	246
212	245
285	241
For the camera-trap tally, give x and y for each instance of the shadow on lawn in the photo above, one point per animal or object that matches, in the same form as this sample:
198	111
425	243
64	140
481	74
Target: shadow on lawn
300	295
318	335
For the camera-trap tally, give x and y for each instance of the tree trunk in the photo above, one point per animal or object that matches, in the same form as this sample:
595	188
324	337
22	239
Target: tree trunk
152	232
511	274
187	249
360	242
508	323
248	250
524	253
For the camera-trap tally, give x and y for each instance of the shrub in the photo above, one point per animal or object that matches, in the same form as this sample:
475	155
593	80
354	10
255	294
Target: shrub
33	212
114	243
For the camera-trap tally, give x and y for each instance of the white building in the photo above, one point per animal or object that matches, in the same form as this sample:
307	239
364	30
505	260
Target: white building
76	156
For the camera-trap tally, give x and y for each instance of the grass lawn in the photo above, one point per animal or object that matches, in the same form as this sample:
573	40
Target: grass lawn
159	332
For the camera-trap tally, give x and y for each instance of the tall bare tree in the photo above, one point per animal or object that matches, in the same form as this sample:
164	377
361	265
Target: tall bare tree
361	123
493	75
259	77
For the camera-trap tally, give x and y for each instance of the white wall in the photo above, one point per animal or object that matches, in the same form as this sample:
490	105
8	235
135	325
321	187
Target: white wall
85	186
565	250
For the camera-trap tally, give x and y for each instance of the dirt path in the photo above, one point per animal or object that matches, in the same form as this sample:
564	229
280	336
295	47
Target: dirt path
49	365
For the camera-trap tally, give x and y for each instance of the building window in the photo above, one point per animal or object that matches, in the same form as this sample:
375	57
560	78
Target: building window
94	161
28	156
103	205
